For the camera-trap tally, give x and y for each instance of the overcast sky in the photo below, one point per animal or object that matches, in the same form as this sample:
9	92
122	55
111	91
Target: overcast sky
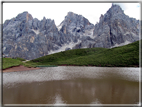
58	11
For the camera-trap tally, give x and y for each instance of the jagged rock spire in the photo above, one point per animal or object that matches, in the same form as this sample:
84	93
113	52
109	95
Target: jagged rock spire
24	16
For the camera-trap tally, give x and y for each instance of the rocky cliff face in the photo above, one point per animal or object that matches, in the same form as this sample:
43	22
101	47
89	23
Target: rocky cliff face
117	28
75	24
30	38
114	29
79	27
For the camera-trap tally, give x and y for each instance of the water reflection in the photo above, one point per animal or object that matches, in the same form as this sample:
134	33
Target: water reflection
77	87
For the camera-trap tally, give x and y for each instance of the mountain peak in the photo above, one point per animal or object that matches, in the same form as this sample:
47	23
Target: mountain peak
70	13
116	9
24	16
75	23
114	12
44	18
73	15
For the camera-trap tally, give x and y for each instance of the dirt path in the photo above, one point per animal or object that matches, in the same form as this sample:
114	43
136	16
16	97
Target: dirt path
18	68
25	61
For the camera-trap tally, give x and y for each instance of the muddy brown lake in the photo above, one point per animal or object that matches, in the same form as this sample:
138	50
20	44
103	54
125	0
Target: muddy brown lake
72	85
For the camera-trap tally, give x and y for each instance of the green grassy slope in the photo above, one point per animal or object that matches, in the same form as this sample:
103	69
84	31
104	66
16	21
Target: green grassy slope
57	58
127	55
9	62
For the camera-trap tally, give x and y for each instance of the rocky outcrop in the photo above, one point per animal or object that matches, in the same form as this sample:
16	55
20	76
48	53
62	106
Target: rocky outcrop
79	27
75	24
115	28
30	38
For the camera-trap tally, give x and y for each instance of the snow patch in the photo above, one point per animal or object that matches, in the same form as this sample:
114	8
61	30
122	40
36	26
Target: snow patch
64	46
59	27
36	31
4	48
121	44
89	33
127	33
84	47
133	34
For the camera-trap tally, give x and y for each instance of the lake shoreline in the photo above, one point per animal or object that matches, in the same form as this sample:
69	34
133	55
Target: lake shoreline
18	68
137	66
23	68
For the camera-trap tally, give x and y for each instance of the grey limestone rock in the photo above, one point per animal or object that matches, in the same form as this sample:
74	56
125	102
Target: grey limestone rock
30	38
115	28
75	24
79	27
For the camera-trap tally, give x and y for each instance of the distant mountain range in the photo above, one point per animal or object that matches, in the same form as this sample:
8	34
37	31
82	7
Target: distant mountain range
30	38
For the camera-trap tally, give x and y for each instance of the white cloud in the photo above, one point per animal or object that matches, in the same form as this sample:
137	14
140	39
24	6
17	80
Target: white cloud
131	9
58	11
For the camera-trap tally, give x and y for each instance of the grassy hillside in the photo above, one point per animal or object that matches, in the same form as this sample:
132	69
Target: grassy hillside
9	62
127	55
